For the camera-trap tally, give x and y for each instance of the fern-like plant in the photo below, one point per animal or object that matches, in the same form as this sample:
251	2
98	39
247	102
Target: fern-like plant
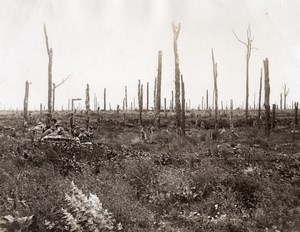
84	213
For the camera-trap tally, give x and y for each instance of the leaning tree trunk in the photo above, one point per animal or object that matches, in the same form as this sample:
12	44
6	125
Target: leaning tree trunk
158	90
25	116
267	98
176	31
50	56
215	76
183	107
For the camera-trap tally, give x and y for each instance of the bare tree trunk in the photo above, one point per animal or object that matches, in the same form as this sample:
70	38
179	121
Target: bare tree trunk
154	96
247	85
25	116
215	75
87	105
207	99
41	109
147	96
172	102
267	98
281	101
231	109
176	31
183	106
296	113
259	99
202	104
50	56
126	98
273	116
140	102
69	104
165	107
158	92
104	99
285	94
53	96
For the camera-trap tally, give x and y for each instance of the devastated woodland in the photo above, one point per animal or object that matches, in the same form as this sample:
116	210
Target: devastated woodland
152	166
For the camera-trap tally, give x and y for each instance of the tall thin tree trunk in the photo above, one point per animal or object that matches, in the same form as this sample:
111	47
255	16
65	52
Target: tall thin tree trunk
281	101
154	96
259	100
50	57
126	98
215	76
183	106
296	113
104	99
172	102
202	104
25	116
231	109
267	98
53	96
273	116
165	107
207	99
176	31
147	96
158	92
247	85
87	105
41	109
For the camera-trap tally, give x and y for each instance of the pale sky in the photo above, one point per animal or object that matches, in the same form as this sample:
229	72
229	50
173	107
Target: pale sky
113	43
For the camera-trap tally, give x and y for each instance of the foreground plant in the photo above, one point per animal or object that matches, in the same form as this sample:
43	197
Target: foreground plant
84	214
13	224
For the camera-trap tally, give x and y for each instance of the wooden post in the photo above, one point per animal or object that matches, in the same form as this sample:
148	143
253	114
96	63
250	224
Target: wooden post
259	100
176	31
273	116
267	98
183	106
25	116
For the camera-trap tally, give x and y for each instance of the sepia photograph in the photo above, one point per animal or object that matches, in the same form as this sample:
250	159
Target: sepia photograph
149	115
